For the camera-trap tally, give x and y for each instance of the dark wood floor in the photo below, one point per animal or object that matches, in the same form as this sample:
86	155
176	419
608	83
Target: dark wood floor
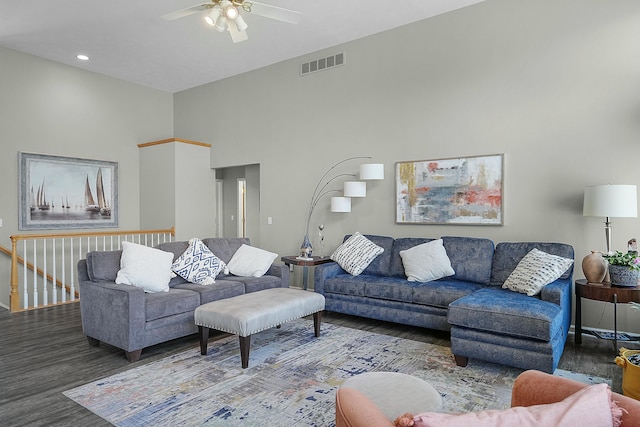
44	353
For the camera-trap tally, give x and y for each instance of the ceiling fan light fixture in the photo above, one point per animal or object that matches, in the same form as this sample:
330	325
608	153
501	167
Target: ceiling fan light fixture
221	24
231	12
212	17
241	24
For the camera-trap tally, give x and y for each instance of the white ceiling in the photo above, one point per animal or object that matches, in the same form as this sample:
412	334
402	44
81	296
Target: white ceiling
128	40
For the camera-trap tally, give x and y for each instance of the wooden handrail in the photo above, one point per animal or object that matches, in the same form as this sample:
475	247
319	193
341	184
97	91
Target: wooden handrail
14	296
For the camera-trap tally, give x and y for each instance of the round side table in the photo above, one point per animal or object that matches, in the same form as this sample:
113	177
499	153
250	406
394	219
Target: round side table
603	292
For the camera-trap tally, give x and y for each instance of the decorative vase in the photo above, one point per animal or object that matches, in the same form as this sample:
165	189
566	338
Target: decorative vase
594	267
306	249
623	276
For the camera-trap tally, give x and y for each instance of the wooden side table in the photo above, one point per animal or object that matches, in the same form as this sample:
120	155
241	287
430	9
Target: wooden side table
606	293
305	263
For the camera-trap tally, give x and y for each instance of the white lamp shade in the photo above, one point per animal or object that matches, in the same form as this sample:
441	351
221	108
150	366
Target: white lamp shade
372	171
355	189
617	201
340	204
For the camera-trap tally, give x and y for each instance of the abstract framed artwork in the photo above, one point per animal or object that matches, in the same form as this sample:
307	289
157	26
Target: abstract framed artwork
64	192
461	191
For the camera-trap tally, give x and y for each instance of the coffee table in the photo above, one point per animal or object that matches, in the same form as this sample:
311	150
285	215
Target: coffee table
251	313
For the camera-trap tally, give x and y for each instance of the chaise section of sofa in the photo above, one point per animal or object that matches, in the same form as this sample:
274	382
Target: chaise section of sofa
126	317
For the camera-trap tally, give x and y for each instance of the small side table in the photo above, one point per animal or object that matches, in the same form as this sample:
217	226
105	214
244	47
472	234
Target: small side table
305	263
606	293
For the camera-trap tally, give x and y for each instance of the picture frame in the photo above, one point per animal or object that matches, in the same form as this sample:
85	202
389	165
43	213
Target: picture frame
57	192
451	191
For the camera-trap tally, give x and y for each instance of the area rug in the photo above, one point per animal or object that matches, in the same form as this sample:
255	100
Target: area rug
291	380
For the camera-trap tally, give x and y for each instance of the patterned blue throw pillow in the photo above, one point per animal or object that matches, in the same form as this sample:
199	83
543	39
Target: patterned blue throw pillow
198	264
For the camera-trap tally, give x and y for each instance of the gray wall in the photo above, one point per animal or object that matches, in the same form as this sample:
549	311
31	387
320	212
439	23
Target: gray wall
49	108
552	85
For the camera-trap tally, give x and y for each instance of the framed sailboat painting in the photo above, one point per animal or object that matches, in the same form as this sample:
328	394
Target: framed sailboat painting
63	192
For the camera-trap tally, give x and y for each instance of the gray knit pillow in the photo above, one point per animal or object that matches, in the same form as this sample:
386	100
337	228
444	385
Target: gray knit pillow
356	253
535	271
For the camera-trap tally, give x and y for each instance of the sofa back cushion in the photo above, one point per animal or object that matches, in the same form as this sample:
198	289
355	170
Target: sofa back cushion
103	266
396	268
225	248
471	258
177	248
508	255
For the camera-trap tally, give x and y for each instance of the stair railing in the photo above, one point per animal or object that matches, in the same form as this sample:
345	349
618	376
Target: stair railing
46	276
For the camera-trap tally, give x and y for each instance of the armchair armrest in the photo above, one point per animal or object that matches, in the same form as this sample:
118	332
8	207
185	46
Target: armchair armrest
537	388
323	272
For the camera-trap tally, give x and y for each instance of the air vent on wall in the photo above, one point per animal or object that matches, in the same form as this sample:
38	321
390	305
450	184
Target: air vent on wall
322	64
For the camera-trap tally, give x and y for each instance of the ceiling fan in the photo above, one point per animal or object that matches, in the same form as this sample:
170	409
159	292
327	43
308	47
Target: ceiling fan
225	15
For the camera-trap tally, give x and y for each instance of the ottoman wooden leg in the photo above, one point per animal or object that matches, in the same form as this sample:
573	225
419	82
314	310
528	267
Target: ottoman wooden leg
203	333
317	318
245	343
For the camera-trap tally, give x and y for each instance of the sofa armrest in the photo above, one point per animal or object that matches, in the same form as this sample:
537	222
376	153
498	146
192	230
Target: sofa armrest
323	272
113	313
559	292
279	270
537	388
354	409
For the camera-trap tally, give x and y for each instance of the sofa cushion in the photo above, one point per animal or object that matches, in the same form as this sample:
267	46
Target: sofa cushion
198	264
145	267
225	248
536	270
505	312
220	290
176	248
356	253
388	288
346	284
175	301
591	406
426	262
443	292
103	266
508	254
471	258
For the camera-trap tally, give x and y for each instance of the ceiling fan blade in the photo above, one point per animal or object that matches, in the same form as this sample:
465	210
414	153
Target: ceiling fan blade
184	12
274	12
236	35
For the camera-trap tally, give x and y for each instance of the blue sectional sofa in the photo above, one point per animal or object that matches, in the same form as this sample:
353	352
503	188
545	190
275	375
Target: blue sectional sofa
486	322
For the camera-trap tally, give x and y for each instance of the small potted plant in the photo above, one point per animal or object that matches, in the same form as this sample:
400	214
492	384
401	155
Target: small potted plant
624	268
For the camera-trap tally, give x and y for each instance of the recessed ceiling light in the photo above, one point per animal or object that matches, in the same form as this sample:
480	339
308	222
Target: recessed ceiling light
82	57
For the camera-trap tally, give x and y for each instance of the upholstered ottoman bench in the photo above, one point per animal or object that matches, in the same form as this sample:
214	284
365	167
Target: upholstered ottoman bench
248	314
393	393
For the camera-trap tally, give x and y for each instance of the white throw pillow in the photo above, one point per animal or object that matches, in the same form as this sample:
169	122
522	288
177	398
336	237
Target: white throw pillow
249	261
145	267
356	253
198	264
426	262
535	271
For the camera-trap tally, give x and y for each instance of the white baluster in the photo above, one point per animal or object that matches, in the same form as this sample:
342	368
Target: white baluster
54	289
63	291
35	275
25	283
